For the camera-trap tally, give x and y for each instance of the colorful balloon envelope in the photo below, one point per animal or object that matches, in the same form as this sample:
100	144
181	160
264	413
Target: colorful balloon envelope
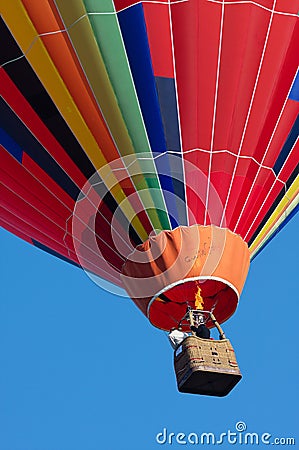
154	144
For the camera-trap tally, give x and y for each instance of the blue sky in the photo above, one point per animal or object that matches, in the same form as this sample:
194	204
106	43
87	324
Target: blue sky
82	369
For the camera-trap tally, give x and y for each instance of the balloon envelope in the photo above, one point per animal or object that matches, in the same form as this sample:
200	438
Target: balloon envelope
121	119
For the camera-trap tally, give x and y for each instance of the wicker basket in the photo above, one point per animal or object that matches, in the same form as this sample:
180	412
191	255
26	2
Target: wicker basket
205	366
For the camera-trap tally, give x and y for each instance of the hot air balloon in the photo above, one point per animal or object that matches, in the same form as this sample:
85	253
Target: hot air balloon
153	144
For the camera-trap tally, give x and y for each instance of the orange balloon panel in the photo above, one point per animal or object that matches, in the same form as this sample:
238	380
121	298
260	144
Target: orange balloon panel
162	275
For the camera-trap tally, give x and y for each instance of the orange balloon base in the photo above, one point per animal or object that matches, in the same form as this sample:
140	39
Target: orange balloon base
162	275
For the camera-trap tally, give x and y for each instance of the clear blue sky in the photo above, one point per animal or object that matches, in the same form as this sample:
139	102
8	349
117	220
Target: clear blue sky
71	378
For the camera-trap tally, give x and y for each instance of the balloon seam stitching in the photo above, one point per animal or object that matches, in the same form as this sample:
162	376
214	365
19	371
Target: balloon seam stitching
178	110
249	110
248	2
265	154
214	111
